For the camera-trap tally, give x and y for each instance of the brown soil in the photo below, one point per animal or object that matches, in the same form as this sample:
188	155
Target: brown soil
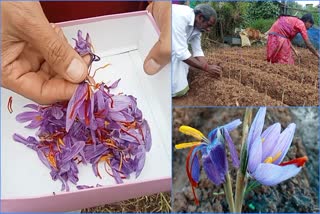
298	194
247	79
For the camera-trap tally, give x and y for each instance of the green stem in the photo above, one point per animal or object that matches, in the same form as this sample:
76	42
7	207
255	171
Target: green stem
229	193
241	182
240	188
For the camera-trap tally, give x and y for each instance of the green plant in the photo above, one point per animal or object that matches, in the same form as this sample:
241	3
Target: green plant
263	25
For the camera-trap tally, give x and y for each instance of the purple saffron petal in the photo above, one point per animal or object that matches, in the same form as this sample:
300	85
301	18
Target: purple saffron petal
147	135
34	124
100	101
120	102
117	176
232	148
255	155
84	187
30	142
229	126
94	140
88	40
140	160
195	168
57	113
134	137
43	159
27	116
32	106
283	143
213	134
271	174
75	149
211	171
269	139
128	117
219	159
256	127
115	84
232	125
117	116
74	104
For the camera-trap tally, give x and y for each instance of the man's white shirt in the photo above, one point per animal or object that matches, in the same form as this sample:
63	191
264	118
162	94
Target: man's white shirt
183	34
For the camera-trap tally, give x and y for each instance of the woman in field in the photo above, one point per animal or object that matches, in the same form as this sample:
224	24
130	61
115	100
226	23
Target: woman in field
280	36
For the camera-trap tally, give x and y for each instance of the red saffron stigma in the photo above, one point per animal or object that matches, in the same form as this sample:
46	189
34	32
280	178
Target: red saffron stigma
298	162
193	182
10	105
75	105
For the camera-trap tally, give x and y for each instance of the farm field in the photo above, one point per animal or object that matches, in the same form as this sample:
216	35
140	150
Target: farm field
247	79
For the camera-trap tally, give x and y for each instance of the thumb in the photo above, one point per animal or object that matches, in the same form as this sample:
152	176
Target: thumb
32	26
160	54
60	56
158	57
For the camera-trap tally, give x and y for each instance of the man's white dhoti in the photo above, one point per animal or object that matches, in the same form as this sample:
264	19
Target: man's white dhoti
183	33
180	72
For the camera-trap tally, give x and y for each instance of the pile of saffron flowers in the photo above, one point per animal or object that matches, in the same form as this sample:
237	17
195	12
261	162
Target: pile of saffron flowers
261	157
94	126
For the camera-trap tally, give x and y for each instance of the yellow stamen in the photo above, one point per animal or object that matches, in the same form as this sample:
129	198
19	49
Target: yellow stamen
276	156
268	160
38	118
187	145
120	165
58	147
192	132
262	140
52	160
60	141
106	123
105	157
101	67
272	159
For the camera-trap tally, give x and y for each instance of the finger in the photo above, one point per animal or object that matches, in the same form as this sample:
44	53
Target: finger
41	89
61	57
59	31
45	67
160	54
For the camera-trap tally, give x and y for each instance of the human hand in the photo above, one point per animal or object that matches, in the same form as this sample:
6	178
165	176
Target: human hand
213	70
37	61
160	54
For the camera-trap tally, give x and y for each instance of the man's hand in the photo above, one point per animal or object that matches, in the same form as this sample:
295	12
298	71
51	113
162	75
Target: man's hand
37	61
214	70
160	54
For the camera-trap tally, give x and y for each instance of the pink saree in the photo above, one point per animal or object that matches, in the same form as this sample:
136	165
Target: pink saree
280	36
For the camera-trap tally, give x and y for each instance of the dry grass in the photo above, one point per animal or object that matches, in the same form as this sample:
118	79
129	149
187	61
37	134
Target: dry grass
160	202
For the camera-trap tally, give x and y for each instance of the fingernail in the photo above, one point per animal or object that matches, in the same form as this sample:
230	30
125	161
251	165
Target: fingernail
152	67
75	69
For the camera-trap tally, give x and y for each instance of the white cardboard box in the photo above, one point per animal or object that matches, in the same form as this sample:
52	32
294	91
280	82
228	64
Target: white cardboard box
123	40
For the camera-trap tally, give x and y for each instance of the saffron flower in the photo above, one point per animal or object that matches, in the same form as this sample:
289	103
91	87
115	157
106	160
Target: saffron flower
94	127
266	151
213	153
84	46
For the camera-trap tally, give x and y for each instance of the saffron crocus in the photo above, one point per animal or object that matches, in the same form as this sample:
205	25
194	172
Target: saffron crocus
266	152
35	117
83	46
213	154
